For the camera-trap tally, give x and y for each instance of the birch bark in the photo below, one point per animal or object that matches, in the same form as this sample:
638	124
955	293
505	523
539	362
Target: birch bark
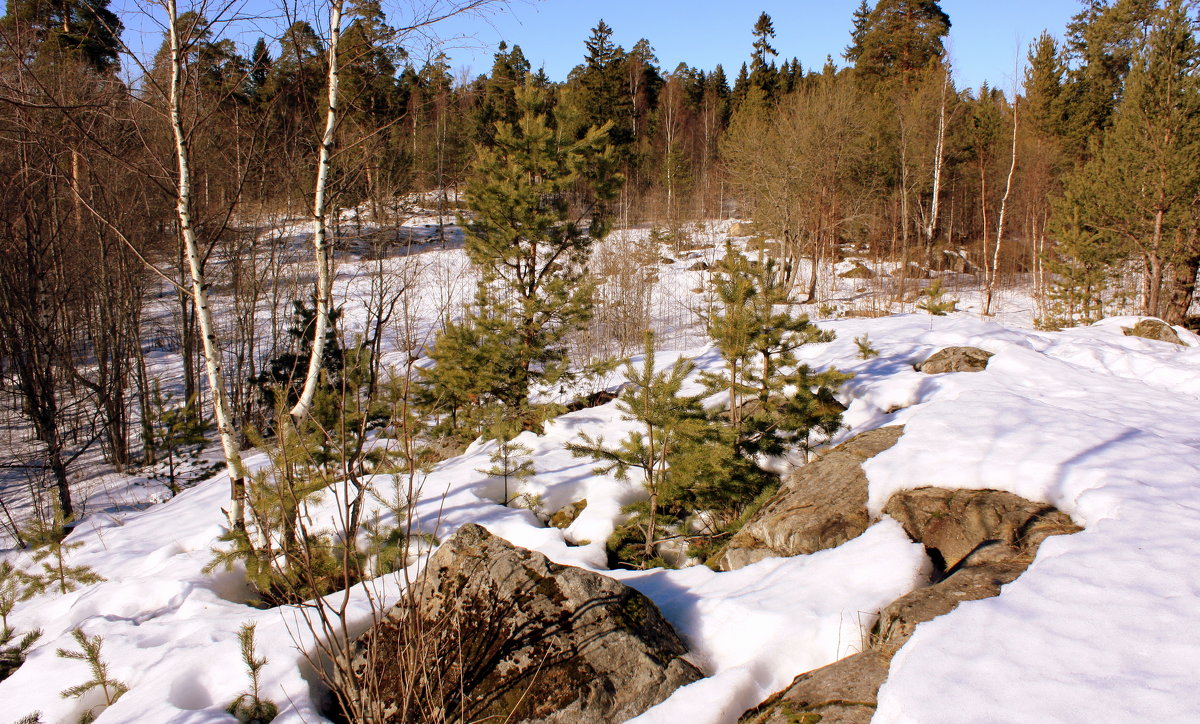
212	352
322	257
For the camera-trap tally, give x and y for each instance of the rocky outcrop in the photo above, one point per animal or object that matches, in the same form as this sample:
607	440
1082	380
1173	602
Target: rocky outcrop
821	505
898	621
506	635
843	692
1155	329
955	359
846	691
567	514
983	539
970	527
858	271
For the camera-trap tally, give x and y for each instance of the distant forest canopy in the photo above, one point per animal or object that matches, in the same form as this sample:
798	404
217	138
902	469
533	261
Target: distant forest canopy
1083	183
884	152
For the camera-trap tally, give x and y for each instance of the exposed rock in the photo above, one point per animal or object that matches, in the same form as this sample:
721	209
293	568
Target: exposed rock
843	692
982	524
858	271
567	514
1155	329
821	505
507	635
989	537
956	359
699	266
603	397
898	621
957	261
741	228
868	313
846	690
912	270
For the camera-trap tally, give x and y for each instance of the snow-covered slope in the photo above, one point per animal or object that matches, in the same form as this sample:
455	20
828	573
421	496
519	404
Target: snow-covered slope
1100	628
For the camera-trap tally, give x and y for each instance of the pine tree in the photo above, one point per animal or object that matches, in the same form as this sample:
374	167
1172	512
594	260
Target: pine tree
1102	40
251	708
15	586
1140	189
529	234
51	551
900	38
670	425
89	651
774	402
511	461
86	29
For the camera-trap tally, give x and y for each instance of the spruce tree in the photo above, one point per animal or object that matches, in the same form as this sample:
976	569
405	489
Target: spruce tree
763	73
602	89
859	31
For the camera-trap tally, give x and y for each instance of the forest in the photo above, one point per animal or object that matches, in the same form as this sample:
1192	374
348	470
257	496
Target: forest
125	179
219	258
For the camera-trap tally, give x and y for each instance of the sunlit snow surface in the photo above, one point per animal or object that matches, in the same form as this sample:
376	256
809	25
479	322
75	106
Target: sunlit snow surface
1101	628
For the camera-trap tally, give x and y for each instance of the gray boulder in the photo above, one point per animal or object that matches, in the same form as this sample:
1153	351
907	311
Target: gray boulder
955	359
821	505
500	633
1155	329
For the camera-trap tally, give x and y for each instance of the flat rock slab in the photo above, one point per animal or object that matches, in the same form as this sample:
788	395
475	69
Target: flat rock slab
501	633
819	506
899	620
960	527
843	692
955	359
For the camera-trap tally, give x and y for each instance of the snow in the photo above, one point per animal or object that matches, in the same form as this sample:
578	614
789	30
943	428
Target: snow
1101	627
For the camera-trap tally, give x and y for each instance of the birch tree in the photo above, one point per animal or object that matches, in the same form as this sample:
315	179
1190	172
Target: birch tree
991	279
199	284
320	229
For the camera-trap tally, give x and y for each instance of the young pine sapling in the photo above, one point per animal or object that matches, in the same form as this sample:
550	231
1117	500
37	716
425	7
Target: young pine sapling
670	424
109	687
250	707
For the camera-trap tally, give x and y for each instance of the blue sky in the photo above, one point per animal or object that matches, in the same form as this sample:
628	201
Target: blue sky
987	38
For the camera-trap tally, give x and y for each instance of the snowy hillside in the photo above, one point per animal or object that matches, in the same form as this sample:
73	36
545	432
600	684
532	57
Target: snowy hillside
1100	628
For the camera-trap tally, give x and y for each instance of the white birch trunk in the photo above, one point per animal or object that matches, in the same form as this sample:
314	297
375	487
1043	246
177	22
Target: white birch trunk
321	253
212	353
939	155
1012	167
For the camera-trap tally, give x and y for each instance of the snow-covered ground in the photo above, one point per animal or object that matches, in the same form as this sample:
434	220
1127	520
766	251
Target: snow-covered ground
1100	628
